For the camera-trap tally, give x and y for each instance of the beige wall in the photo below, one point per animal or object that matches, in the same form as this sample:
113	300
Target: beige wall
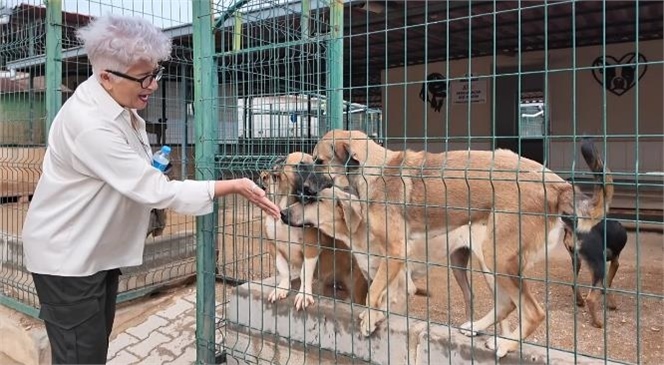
401	102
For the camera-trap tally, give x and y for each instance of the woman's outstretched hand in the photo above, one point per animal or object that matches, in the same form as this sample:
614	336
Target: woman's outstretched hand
257	196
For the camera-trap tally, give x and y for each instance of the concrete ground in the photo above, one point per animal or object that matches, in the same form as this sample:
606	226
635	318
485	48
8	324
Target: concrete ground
154	330
156	333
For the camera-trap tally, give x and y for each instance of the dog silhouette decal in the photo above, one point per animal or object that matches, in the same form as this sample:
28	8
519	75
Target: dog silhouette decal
619	75
434	90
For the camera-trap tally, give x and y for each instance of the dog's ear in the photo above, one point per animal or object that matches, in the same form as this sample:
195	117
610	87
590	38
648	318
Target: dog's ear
278	164
351	210
263	179
345	154
628	72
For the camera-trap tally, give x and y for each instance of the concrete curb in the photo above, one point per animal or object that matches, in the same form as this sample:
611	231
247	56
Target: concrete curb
22	338
257	329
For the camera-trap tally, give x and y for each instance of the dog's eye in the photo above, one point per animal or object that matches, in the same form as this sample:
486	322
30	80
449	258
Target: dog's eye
319	161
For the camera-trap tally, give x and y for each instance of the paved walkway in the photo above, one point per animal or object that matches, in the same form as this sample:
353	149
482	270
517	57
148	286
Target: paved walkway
163	337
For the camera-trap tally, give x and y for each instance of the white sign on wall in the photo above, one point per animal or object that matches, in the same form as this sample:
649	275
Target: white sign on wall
478	91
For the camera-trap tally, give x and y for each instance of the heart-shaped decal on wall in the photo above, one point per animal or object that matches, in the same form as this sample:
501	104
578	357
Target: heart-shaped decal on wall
621	74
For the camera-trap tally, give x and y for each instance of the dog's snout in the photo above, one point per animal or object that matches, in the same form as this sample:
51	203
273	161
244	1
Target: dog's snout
315	184
619	83
308	192
284	216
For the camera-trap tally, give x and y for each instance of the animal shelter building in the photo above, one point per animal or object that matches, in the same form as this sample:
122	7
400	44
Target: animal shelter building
251	81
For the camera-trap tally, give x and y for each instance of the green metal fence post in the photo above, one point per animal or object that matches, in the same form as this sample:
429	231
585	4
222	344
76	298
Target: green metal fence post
184	91
335	67
205	148
53	62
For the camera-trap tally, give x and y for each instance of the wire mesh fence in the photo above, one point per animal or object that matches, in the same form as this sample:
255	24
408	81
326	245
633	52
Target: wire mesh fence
254	86
42	64
441	76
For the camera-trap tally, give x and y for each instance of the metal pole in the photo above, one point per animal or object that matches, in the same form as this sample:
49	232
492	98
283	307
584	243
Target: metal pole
237	32
185	124
163	120
335	67
53	62
205	148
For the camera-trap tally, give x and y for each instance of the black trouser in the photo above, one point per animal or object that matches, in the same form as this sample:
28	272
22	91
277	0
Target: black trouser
78	313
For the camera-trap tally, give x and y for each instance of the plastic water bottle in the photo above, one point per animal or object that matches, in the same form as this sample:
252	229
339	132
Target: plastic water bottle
160	158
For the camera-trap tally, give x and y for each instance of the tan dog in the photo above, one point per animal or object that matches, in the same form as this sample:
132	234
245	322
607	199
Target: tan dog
332	220
340	213
295	247
411	195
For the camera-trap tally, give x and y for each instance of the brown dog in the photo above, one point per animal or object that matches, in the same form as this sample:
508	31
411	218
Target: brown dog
339	213
411	195
299	247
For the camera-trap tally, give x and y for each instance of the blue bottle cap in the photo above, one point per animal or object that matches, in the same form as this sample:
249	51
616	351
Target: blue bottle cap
166	149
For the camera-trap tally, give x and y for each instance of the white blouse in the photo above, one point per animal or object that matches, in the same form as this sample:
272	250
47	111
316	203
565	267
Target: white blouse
91	207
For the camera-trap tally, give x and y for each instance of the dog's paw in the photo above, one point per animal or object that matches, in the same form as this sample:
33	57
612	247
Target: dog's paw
597	323
501	352
580	302
369	321
303	300
466	331
277	294
491	344
611	303
502	346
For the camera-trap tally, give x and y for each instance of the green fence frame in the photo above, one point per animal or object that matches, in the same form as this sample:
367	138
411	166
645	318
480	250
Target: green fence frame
52	60
206	241
206	91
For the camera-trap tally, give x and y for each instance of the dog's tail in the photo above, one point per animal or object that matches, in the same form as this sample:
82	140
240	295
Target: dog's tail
591	210
603	191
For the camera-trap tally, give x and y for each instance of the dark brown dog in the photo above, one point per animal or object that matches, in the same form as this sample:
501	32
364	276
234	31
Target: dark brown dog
589	248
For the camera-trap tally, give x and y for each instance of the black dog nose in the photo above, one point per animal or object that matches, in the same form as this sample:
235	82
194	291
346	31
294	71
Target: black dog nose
284	216
619	83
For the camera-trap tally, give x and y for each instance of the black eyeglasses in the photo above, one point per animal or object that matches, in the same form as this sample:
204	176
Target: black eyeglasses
144	81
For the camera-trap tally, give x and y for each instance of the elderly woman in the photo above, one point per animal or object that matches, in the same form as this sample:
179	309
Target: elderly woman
91	208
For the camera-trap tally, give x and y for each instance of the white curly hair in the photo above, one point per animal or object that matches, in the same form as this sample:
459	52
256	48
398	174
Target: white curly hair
117	42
